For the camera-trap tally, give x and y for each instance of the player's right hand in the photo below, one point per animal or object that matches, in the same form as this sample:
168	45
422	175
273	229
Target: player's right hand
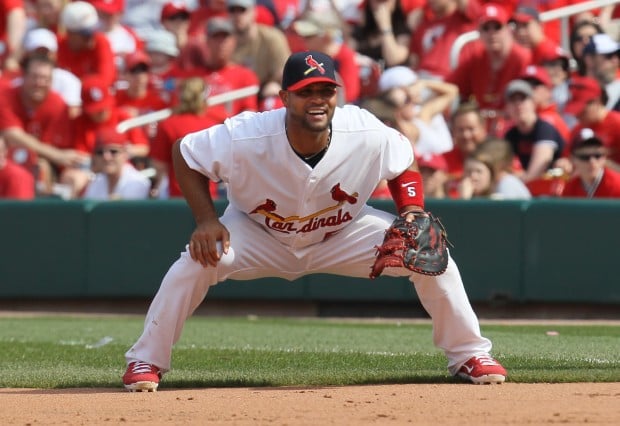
209	241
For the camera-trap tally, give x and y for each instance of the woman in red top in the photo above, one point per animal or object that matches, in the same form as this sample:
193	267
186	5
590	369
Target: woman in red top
190	115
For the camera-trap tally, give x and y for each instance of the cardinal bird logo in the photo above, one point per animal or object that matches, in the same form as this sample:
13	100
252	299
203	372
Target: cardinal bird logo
314	65
267	206
339	195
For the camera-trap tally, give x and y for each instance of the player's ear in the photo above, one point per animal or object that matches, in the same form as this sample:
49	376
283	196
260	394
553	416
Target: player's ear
284	97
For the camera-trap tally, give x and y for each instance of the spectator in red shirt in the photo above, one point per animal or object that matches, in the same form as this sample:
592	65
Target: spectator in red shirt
41	41
494	60
175	18
591	179
135	94
34	121
15	181
557	64
123	39
529	32
432	41
85	50
587	104
165	70
100	111
323	31
220	72
12	30
190	115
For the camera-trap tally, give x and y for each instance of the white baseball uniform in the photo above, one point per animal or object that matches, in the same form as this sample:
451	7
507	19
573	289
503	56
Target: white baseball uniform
287	219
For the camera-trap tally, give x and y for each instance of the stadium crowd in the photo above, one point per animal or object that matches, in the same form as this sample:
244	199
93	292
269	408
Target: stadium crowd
511	115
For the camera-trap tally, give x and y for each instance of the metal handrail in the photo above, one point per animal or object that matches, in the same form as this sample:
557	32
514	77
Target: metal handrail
562	13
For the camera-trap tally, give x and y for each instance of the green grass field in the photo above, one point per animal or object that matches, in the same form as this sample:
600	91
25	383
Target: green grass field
61	352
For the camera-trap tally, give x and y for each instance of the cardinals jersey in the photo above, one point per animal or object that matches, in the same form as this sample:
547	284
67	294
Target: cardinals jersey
295	203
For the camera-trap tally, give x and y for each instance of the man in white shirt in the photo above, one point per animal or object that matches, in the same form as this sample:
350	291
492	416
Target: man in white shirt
116	177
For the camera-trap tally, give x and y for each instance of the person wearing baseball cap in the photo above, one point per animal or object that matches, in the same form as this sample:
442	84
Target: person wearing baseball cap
587	104
601	57
298	179
116	178
546	107
529	32
584	91
85	50
536	142
497	47
592	178
41	41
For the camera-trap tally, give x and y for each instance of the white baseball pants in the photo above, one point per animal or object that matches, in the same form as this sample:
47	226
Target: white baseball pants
256	254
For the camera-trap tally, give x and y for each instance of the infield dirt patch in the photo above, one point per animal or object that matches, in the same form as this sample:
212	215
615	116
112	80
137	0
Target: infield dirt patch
415	404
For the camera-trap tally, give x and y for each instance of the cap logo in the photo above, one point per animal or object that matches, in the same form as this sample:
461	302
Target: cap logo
313	64
492	11
96	94
586	134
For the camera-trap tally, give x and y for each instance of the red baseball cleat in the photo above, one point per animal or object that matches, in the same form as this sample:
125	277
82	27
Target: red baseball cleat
483	369
141	376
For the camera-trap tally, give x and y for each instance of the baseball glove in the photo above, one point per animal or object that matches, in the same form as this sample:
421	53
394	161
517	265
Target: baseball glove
419	244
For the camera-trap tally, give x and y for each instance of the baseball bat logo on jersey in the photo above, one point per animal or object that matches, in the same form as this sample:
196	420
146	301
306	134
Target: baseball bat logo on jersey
311	222
314	65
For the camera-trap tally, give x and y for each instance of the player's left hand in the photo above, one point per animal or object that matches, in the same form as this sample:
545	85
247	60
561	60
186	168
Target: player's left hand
416	240
209	241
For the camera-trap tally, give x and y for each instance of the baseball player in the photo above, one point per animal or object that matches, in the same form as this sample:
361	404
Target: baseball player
298	181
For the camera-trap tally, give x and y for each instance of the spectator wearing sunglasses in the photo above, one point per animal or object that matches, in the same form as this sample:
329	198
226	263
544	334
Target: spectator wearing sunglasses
601	57
175	18
587	104
85	50
116	179
135	93
494	60
591	178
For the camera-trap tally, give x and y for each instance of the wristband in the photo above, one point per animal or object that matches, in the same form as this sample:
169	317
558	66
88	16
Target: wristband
407	190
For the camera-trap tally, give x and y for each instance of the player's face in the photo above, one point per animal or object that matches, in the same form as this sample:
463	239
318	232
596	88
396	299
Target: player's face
311	107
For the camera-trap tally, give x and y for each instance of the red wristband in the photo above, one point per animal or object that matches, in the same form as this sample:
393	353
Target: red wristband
407	190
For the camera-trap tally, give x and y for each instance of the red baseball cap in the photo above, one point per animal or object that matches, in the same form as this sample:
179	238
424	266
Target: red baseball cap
136	58
173	8
582	90
432	161
96	95
493	12
525	14
107	136
304	68
550	53
109	6
535	72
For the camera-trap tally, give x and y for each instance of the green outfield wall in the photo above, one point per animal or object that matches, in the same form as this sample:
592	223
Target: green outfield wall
545	250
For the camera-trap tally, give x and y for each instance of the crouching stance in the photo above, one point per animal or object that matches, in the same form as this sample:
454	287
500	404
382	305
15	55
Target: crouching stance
298	181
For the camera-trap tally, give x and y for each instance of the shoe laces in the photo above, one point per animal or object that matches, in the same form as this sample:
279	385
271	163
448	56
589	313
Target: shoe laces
486	360
141	367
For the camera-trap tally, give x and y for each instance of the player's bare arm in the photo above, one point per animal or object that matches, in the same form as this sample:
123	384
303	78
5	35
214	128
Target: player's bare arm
203	244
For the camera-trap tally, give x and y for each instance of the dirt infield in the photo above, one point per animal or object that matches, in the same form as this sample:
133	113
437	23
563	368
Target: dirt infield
416	404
